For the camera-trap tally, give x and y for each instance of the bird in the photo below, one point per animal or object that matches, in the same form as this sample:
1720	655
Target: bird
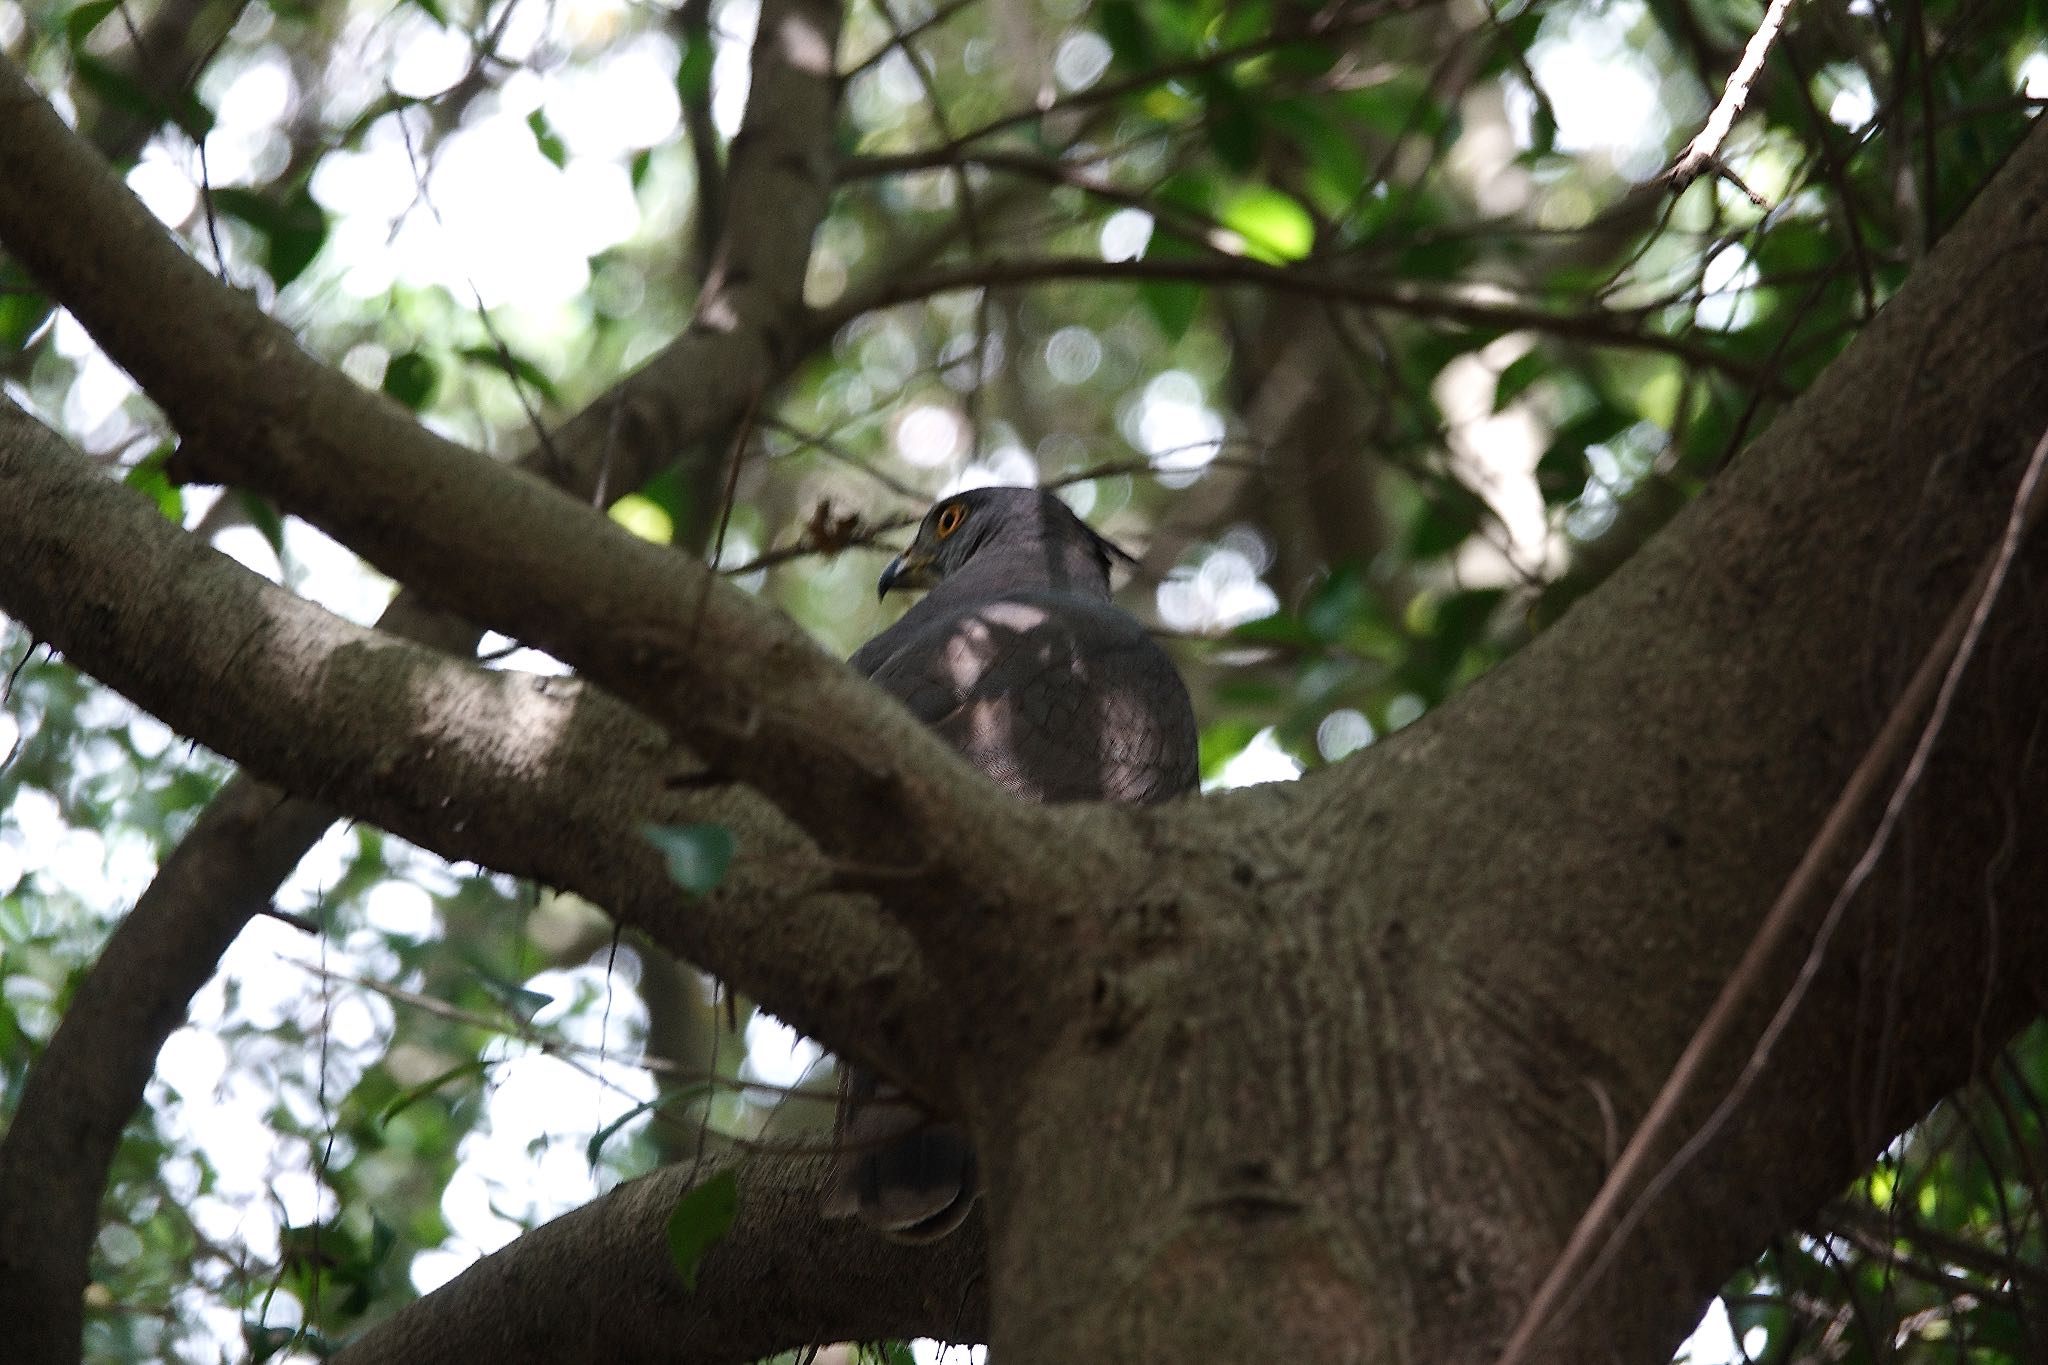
1016	656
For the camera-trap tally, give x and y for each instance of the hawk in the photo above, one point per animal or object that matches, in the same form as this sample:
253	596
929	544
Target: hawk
1018	658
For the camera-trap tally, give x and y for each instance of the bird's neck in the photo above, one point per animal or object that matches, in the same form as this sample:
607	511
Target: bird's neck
1054	566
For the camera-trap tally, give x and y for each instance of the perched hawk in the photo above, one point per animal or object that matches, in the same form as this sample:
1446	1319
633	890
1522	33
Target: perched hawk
1019	659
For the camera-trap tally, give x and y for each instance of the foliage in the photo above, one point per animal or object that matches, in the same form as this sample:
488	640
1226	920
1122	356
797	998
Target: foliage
1522	355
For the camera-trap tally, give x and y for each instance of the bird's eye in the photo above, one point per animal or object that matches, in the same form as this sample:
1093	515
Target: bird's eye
949	520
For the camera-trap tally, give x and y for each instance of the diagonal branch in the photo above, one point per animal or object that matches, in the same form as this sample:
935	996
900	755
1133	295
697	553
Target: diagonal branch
490	767
54	1160
730	676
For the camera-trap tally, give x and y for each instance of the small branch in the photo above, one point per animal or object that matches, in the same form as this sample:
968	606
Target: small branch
904	37
597	1283
1596	328
1704	151
479	766
1334	22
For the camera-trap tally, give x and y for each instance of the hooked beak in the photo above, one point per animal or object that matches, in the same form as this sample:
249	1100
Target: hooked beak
910	570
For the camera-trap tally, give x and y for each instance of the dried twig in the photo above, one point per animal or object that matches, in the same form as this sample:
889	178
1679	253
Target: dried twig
1703	153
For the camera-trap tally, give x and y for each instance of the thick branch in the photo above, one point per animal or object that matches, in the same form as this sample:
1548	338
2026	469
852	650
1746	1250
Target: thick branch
1636	785
493	768
597	1284
733	678
54	1159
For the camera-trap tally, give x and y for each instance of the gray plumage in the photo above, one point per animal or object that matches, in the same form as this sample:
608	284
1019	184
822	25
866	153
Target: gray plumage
1019	659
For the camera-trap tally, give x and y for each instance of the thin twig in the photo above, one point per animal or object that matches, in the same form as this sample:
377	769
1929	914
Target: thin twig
1704	152
904	37
1597	327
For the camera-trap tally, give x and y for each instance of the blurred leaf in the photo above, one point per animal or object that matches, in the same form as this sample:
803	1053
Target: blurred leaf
1280	628
84	19
1275	227
693	69
595	1147
702	1216
544	139
411	379
1449	518
1121	25
1224	741
183	109
1515	380
147	477
514	366
697	855
293	228
1173	305
23	311
264	516
1336	602
411	1095
1233	126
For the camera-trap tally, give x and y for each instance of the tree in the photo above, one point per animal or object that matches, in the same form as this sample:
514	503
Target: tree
1319	1070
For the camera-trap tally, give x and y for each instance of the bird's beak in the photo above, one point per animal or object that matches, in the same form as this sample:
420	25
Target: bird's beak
909	570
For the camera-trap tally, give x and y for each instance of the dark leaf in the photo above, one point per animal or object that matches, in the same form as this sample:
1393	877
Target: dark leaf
516	367
413	1094
595	1147
545	139
107	82
85	19
264	516
693	71
293	228
411	378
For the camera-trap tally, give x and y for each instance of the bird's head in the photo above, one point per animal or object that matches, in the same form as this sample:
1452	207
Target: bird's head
984	519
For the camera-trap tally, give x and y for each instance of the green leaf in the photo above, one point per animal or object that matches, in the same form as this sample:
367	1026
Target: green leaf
693	71
1172	304
148	478
702	1216
515	367
23	311
697	855
1517	377
545	138
1125	30
413	1094
1224	741
264	516
85	19
107	82
1234	129
293	228
411	378
1275	227
595	1147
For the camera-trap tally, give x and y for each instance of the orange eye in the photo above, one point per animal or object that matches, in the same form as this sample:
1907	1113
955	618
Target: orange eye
949	520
